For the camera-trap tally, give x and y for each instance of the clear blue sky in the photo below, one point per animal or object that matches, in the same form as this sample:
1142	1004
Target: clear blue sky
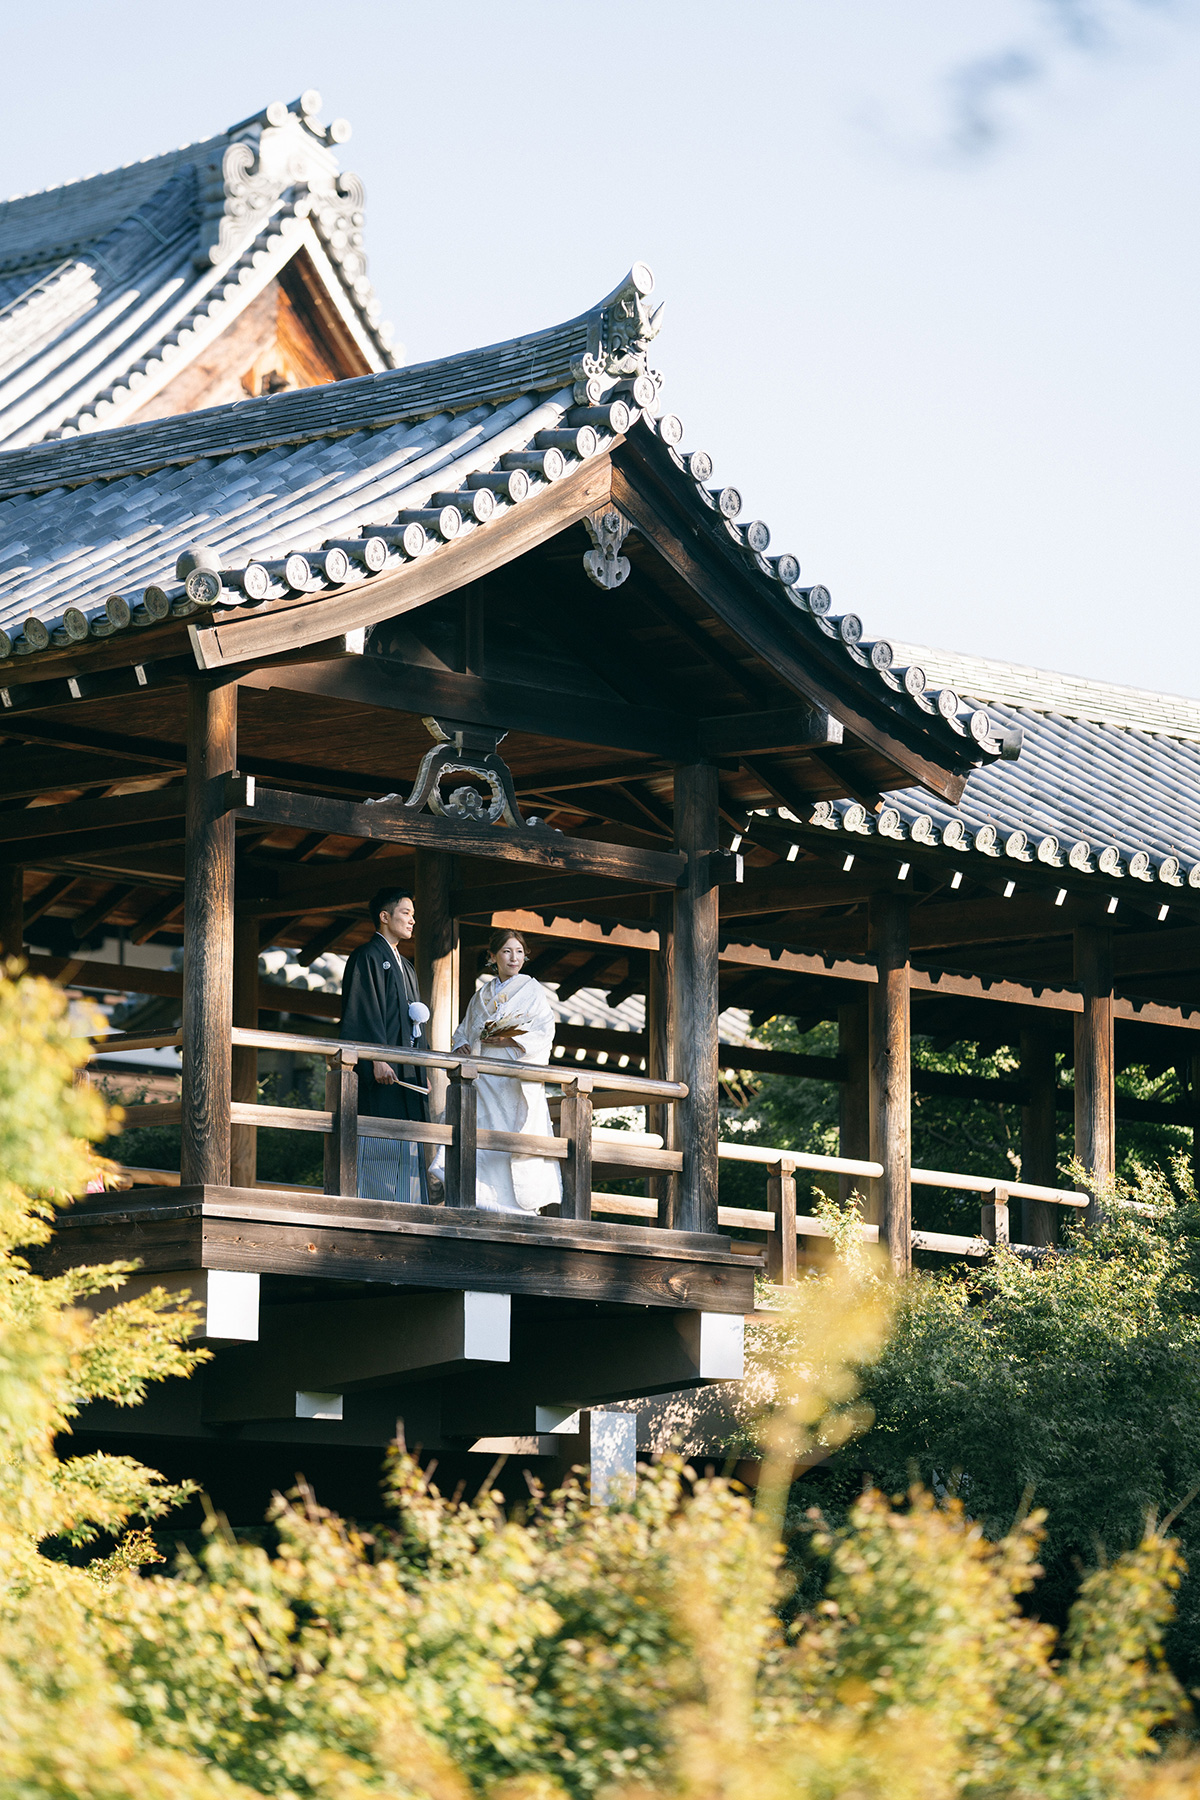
930	268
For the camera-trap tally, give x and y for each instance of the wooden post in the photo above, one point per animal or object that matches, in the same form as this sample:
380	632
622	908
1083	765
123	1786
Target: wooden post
1095	1099
208	935
341	1146
243	1159
854	1095
461	1114
1039	1134
437	962
660	1057
993	1217
890	1076
695	1009
781	1243
12	909
576	1127
1193	1091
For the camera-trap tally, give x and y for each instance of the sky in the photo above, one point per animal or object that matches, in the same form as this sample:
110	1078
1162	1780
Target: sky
930	268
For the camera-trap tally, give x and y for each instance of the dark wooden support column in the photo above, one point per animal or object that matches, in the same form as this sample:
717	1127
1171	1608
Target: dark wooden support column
854	1094
208	936
576	1126
694	1013
341	1145
243	1159
437	962
1192	1072
1039	1134
462	1114
891	1076
1095	1099
12	909
660	1061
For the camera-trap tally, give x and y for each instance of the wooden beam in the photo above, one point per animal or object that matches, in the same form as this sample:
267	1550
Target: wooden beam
242	639
536	846
394	686
83	926
208	935
890	1056
91	817
756	734
1095	1133
760	621
695	996
25	773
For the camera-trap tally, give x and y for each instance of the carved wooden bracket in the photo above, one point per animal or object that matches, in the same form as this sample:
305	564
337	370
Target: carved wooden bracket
608	530
462	749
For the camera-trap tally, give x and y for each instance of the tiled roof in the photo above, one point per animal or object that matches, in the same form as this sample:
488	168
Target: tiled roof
1108	779
1043	690
280	491
109	286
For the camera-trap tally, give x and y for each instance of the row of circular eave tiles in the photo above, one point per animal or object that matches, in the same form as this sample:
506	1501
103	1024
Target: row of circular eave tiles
988	840
203	583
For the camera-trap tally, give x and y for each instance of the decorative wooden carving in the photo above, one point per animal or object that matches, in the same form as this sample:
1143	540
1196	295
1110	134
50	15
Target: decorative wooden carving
463	749
608	530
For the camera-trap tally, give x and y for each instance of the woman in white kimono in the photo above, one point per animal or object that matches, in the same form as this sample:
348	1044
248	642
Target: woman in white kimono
510	1017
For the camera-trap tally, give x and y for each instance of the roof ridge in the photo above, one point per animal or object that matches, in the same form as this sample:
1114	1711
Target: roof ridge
271	114
1019	685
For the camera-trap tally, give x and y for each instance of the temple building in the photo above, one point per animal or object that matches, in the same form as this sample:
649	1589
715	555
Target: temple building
281	623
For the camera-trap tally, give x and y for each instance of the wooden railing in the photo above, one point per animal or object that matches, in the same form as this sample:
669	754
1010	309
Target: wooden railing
583	1148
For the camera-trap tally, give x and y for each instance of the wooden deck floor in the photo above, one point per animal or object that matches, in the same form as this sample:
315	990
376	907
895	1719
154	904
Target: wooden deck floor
323	1236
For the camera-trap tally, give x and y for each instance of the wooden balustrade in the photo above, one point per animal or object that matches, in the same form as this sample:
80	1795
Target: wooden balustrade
583	1148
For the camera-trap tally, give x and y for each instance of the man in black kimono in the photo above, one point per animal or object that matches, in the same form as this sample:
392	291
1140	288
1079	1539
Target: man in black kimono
378	988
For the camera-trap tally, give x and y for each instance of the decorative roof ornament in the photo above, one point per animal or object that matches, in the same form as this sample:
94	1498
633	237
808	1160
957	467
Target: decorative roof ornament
624	327
284	155
608	530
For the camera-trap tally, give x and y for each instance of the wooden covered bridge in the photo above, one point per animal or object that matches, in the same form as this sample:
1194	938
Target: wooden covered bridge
488	627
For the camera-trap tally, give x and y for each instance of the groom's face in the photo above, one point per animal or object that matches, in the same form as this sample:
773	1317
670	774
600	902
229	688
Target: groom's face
401	921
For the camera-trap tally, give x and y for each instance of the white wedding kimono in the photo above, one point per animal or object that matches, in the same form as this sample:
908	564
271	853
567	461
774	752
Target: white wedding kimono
505	1183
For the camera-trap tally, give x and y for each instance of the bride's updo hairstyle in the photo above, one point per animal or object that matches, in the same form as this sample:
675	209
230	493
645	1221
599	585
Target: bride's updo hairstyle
497	942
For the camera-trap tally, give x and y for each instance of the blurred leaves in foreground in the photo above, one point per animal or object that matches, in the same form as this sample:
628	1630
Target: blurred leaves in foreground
559	1651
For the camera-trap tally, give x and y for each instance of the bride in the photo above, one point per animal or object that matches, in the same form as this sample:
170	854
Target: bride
511	1017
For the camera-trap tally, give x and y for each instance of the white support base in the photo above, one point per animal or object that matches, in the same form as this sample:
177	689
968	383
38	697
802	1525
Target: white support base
228	1299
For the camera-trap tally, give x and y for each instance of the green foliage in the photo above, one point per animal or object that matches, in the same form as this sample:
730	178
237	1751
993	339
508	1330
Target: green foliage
1075	1380
565	1653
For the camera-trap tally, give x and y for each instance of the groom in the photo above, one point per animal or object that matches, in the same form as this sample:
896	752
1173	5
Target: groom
378	989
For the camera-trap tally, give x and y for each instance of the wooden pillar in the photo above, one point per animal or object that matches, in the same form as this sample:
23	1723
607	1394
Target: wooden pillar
1193	1092
1095	1100
854	1094
781	1203
243	1159
576	1127
12	909
695	1008
890	1076
437	962
341	1145
208	936
1039	1134
660	1057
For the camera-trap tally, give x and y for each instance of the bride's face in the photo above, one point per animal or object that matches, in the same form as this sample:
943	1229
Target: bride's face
509	958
